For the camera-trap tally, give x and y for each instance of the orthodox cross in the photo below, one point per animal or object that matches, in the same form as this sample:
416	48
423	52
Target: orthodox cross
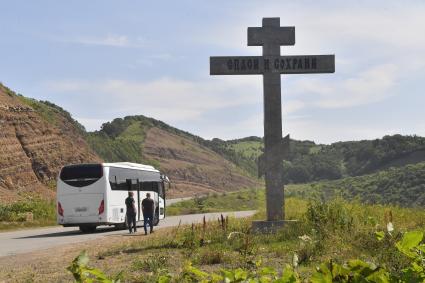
271	36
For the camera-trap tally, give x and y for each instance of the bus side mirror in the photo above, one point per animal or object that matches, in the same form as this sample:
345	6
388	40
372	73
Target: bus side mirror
166	180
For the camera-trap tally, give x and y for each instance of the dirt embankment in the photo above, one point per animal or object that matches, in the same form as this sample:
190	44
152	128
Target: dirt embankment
32	149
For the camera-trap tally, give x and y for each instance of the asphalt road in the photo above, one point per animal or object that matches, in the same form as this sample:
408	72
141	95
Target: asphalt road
23	241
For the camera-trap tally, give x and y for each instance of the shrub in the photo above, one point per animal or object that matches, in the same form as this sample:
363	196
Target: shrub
15	212
329	216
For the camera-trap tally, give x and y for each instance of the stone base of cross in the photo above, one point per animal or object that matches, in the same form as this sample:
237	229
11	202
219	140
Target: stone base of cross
271	65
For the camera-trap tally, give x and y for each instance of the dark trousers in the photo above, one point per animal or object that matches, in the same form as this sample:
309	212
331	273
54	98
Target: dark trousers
148	218
131	222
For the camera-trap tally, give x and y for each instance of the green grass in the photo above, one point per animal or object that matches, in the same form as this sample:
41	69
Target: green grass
44	110
134	131
122	139
217	202
336	230
124	143
51	112
114	150
14	215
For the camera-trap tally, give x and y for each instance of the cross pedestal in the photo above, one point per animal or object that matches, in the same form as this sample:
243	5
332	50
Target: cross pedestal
271	36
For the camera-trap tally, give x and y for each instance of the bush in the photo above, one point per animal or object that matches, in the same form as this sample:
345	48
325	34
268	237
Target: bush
329	216
16	212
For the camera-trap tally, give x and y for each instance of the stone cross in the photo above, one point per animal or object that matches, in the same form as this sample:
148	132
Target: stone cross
271	36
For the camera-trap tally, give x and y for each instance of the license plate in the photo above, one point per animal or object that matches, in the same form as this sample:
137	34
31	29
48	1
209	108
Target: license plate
80	209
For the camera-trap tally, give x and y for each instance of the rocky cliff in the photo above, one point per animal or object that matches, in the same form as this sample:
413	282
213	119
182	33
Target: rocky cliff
36	139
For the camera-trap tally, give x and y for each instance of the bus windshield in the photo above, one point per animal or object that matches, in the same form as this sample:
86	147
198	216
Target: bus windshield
81	175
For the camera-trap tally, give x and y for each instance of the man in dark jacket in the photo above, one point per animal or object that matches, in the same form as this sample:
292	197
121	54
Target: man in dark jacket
131	212
148	207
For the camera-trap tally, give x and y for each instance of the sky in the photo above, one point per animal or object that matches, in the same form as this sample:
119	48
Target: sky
107	59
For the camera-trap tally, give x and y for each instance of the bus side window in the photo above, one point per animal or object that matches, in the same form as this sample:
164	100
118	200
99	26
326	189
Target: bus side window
132	184
148	186
128	182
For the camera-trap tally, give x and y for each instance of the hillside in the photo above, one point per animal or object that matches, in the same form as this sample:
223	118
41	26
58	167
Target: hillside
39	137
404	186
192	167
309	162
36	139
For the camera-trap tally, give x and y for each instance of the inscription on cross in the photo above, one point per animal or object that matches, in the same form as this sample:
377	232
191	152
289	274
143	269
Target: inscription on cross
271	36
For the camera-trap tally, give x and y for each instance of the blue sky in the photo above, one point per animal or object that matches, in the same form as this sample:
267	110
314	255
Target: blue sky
106	59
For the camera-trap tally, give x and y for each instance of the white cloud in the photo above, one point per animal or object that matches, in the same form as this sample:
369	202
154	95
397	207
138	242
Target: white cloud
377	46
291	106
175	99
112	40
168	99
308	129
252	125
91	124
369	86
394	24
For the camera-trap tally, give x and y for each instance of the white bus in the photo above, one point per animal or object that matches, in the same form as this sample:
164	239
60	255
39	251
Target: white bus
90	195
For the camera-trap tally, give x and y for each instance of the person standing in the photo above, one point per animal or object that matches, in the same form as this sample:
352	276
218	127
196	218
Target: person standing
131	212
148	206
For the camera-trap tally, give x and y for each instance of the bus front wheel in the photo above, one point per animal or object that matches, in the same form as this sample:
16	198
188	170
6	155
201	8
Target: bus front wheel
87	228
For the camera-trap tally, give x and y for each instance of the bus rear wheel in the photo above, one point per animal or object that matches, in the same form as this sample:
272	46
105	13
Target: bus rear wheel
87	228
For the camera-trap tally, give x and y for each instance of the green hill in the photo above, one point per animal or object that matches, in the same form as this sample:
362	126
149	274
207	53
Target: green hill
191	164
123	138
120	140
403	186
308	161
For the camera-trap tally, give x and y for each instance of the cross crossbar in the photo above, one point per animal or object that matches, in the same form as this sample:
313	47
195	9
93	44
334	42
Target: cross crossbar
256	65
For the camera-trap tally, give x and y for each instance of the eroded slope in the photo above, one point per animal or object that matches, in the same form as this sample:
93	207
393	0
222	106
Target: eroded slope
36	140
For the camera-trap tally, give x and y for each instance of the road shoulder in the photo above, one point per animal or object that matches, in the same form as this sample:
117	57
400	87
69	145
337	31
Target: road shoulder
49	265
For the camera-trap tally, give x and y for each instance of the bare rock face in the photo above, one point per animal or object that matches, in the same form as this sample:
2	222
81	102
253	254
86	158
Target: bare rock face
33	149
192	168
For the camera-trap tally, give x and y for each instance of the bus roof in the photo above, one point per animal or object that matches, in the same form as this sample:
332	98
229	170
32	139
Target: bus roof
131	165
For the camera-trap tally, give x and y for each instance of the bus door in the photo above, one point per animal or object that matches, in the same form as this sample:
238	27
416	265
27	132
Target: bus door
161	193
138	200
134	185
